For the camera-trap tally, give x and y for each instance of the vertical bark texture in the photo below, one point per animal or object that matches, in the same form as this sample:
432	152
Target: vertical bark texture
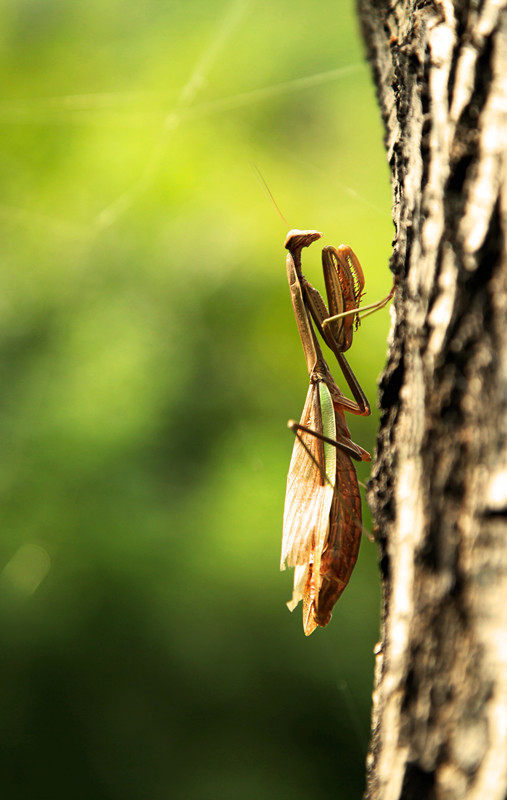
439	487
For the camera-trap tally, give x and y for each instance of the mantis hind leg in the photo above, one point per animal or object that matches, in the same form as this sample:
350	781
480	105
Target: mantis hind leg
343	443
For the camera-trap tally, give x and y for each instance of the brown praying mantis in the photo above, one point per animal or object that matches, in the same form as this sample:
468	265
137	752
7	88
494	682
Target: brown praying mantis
322	524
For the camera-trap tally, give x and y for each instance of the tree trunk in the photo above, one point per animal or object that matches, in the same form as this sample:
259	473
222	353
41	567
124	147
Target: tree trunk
439	485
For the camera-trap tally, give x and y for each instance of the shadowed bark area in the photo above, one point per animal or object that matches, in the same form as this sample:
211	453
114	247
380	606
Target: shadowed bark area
439	484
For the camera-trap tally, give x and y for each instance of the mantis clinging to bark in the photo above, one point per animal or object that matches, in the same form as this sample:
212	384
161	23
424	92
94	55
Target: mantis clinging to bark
322	517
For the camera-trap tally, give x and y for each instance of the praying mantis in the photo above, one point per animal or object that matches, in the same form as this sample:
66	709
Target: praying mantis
322	517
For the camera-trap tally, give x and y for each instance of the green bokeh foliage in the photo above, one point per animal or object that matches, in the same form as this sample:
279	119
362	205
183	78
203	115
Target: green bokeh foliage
150	361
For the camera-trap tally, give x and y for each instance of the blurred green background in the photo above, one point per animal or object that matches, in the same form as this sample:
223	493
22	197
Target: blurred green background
150	361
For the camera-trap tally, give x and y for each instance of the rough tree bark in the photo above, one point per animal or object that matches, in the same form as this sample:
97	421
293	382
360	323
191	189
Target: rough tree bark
439	487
